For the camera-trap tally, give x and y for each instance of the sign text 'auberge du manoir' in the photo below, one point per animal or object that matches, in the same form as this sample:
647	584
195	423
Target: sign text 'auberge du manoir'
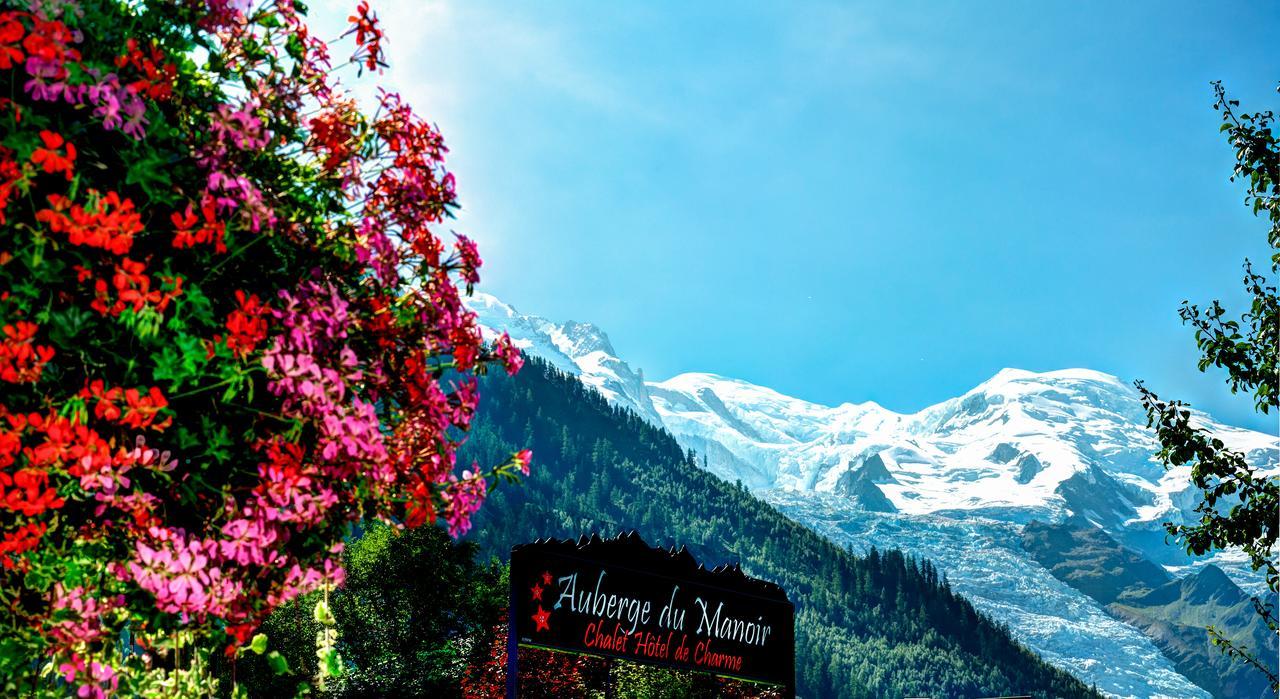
622	598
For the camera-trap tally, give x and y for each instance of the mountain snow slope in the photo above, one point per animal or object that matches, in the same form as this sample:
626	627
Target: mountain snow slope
1018	446
984	561
1021	446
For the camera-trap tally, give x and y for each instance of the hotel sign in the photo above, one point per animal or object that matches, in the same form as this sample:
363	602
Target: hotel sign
621	598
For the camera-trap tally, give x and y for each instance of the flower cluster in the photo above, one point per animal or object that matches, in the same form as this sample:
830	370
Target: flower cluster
52	157
19	541
462	498
110	223
181	572
92	680
21	360
190	229
10	175
78	615
130	288
27	492
230	331
234	133
364	24
48	54
247	324
127	406
155	73
312	369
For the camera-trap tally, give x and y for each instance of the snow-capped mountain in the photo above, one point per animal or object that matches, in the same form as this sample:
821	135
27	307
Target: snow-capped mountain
1019	446
580	349
965	474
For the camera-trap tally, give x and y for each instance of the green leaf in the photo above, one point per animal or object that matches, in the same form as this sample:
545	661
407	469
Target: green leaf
12	655
278	663
181	362
217	439
192	305
322	613
333	664
150	169
66	324
259	644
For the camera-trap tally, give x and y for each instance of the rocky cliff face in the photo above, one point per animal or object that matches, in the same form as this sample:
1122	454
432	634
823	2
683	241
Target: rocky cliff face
1173	612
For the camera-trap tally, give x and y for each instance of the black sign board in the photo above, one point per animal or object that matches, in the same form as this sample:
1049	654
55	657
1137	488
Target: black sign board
621	598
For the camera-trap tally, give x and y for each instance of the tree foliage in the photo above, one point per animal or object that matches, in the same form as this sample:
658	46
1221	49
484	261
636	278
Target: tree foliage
1240	507
414	613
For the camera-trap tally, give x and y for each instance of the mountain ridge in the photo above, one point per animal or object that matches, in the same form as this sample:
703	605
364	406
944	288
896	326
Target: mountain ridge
1072	435
1174	612
1019	447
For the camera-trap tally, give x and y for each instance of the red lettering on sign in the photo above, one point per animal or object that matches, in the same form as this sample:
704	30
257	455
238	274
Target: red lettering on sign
615	641
706	657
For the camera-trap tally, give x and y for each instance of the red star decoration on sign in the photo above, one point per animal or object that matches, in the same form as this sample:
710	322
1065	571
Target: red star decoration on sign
536	592
540	618
546	578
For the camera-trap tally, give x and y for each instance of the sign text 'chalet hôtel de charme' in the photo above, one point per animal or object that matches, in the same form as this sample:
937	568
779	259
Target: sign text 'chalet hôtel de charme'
621	598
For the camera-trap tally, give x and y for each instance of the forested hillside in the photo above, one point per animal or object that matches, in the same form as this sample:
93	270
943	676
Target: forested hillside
883	625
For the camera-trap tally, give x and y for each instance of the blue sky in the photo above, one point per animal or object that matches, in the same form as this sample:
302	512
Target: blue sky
853	201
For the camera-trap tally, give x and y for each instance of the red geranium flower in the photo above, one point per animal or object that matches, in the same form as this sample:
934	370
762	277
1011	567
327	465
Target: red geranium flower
29	494
247	325
368	37
190	230
21	361
24	539
49	157
11	32
110	222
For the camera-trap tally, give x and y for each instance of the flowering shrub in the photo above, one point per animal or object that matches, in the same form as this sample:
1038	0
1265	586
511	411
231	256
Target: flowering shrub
231	328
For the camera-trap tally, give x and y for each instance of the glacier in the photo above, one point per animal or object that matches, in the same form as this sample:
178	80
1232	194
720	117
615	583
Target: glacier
984	561
953	482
